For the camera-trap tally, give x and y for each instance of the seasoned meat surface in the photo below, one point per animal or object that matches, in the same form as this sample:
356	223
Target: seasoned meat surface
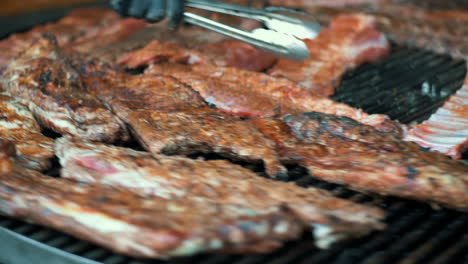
136	226
218	181
18	125
340	150
446	130
232	53
44	80
250	94
79	23
350	40
168	117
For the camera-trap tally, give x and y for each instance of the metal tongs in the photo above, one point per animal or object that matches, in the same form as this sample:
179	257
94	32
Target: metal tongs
281	38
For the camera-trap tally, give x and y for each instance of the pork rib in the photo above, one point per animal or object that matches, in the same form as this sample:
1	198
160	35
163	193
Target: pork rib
251	94
349	41
167	116
44	80
340	150
18	125
446	130
212	181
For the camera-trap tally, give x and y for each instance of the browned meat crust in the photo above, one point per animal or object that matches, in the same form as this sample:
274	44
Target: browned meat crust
350	40
167	116
79	23
232	53
340	150
212	181
440	29
158	227
251	94
47	83
18	125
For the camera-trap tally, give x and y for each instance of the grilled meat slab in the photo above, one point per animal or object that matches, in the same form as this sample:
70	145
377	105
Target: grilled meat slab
219	182
44	80
350	40
340	150
446	130
78	24
441	30
250	94
232	53
167	116
18	125
136	226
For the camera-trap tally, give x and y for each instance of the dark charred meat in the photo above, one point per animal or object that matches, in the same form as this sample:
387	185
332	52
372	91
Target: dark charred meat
340	150
350	40
167	116
250	94
154	227
18	125
79	23
218	182
446	130
45	81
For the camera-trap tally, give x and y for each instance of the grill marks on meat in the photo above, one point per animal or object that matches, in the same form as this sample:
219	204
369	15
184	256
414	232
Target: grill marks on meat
446	130
350	40
224	53
250	94
18	125
132	225
340	150
168	117
214	182
46	82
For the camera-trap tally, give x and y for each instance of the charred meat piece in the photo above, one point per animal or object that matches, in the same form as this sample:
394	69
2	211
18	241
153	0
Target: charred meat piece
79	23
143	227
446	130
250	94
232	53
350	40
213	181
340	150
113	33
18	125
44	80
167	116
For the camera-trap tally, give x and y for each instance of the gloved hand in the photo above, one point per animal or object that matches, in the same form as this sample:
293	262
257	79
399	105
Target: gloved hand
151	10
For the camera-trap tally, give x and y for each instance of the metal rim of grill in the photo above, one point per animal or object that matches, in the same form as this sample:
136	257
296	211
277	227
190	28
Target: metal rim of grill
409	85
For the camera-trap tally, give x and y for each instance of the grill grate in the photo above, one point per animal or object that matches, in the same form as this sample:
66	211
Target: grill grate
409	85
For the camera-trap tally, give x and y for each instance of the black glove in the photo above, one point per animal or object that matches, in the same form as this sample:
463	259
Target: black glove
151	10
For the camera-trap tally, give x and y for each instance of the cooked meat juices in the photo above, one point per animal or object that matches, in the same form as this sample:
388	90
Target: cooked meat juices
219	182
340	150
446	130
250	94
18	125
46	82
167	116
349	41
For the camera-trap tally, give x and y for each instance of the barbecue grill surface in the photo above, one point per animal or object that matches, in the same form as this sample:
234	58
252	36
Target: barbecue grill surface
409	85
